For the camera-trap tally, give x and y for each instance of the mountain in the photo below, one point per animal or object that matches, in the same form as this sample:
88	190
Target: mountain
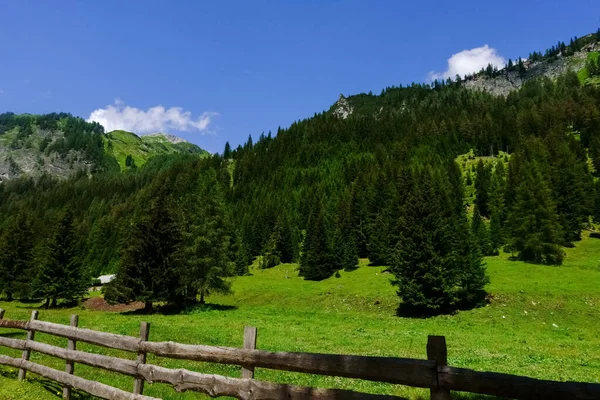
60	145
120	144
557	60
364	172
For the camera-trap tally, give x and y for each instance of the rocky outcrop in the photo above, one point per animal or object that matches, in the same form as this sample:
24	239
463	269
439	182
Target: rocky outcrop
342	108
511	80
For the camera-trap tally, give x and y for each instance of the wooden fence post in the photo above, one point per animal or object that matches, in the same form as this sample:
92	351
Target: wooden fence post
437	351
70	368
138	387
249	344
1	313
26	352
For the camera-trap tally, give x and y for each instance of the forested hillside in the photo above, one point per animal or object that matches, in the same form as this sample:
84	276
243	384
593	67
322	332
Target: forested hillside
60	145
385	181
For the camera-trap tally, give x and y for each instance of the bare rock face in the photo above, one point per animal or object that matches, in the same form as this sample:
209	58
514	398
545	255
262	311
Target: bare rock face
24	158
511	80
170	138
342	108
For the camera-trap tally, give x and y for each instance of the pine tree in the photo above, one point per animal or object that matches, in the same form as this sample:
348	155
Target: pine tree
534	229
317	261
150	257
482	187
241	257
227	151
497	207
60	274
16	258
480	232
345	253
207	239
436	264
570	181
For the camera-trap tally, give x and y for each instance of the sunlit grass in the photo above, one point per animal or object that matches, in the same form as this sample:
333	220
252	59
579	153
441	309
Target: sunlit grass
542	322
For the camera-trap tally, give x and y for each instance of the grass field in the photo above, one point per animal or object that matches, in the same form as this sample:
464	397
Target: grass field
542	322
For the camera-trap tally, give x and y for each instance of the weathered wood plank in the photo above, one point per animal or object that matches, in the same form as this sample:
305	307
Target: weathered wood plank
138	386
11	324
246	389
94	388
514	387
419	373
127	367
70	367
27	352
111	340
183	380
249	344
437	351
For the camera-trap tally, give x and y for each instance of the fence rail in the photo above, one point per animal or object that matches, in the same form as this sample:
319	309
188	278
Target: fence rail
432	373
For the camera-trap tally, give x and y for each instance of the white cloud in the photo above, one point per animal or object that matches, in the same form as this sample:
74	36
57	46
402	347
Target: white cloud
155	119
469	61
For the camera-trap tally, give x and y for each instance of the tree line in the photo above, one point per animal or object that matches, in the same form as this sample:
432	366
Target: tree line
382	184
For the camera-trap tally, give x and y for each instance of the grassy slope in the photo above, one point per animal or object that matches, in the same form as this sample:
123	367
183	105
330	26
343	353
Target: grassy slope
542	322
142	148
584	75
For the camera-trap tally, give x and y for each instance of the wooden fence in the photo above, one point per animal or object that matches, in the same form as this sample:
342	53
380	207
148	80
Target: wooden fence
432	373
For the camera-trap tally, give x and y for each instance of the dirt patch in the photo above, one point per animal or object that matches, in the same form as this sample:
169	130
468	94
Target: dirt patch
99	304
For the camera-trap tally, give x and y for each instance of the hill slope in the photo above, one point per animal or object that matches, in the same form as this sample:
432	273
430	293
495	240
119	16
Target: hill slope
60	145
541	323
120	144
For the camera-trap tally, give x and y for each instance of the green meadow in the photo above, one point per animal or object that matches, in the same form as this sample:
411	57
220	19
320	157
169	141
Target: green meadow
541	321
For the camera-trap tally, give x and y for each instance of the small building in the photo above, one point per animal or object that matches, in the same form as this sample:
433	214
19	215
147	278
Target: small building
104	279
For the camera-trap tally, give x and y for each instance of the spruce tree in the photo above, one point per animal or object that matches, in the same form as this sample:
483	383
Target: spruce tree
480	232
317	261
436	264
227	151
150	257
497	207
345	253
16	258
60	274
241	256
207	234
482	187
535	232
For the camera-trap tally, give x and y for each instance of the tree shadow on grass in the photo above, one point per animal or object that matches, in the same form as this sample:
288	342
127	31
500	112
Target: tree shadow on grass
13	334
479	299
56	389
171	309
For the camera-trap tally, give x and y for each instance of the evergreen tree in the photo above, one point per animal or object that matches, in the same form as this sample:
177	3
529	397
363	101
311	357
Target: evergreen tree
482	187
497	208
241	257
317	261
129	161
534	228
345	252
150	258
570	181
227	151
207	236
480	232
60	274
436	265
16	258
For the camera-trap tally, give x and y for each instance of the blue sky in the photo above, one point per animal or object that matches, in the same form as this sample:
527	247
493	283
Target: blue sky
222	70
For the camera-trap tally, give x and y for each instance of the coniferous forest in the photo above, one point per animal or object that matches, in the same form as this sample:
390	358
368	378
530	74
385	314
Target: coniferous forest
385	183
